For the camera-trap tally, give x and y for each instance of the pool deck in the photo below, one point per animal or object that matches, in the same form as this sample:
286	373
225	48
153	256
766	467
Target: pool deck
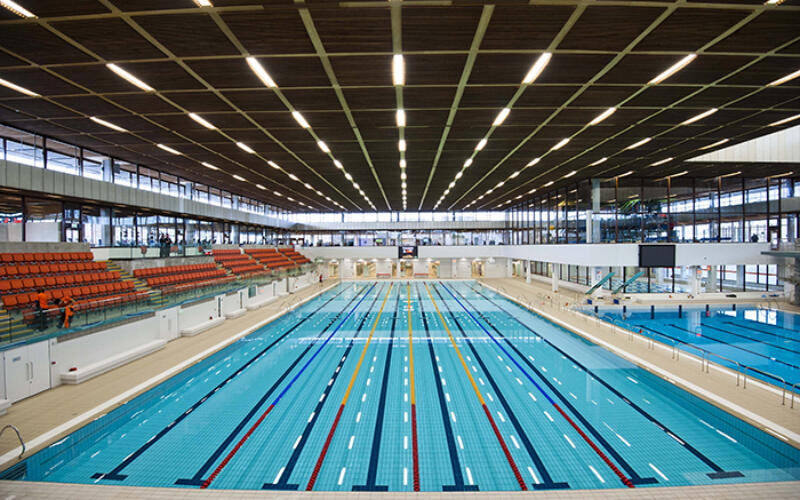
759	403
49	416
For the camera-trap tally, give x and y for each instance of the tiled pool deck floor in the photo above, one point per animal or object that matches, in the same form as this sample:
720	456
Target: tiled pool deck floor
39	415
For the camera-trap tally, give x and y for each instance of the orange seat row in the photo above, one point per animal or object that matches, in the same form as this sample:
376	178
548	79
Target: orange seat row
180	278
21	270
30	284
78	293
21	258
160	271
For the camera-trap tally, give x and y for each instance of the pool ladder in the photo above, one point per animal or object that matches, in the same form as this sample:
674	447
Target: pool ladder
19	436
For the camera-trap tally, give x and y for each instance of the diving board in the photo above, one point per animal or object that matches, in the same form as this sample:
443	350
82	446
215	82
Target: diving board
628	282
600	283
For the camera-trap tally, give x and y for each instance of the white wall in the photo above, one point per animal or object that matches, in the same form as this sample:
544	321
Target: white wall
233	302
195	314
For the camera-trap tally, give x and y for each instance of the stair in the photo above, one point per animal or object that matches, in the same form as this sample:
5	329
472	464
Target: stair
138	285
12	328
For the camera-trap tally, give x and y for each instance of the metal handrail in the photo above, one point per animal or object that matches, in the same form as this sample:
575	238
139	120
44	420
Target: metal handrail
776	377
729	360
19	436
793	388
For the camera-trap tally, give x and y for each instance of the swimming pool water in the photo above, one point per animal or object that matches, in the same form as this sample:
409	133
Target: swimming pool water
402	386
767	340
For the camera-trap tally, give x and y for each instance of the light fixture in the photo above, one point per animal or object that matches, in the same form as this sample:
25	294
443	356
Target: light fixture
21	90
203	3
639	143
481	144
260	72
244	147
401	144
16	8
779	81
403	164
323	146
537	68
533	162
514	175
570	174
785	120
467	162
459	175
168	149
398	70
294	177
673	69
403	176
718	143
208	165
626	174
532	191
202	121
276	193
239	178
308	186
602	116
501	117
700	116
499	184
785	174
678	174
319	193
348	176
261	187
563	142
273	165
451	185
732	174
129	77
338	164
548	184
299	119
400	117
598	162
661	162
107	124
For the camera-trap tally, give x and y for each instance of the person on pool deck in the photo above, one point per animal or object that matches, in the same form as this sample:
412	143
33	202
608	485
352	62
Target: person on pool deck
66	303
41	308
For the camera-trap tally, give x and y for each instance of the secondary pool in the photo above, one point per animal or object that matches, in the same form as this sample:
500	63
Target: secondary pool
405	386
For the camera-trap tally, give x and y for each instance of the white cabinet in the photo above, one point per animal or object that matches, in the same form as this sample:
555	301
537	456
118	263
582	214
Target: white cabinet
27	370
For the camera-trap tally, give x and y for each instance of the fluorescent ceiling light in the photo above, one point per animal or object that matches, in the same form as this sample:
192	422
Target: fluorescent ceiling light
398	70
202	121
459	175
640	143
294	177
16	8
679	174
700	116
168	149
718	143
785	120
273	165
290	198
400	116
598	162
481	144
549	184
239	178
323	146
452	185
561	143
673	69
319	193
107	124
732	174
308	186
355	185
129	77
533	162
537	68
259	186
629	172
21	90
403	164
260	72
403	176
570	174
500	184
244	147
208	165
779	81
501	116
785	174
514	175
602	116
203	3
299	118
661	162
532	191
348	176
401	144
338	164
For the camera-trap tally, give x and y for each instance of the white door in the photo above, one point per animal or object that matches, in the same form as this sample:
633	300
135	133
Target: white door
17	373
39	360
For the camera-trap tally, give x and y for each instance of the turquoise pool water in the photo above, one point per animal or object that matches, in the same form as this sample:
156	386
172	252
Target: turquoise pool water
767	340
365	388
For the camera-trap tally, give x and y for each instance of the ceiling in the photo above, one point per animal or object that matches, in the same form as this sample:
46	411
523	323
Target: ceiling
465	60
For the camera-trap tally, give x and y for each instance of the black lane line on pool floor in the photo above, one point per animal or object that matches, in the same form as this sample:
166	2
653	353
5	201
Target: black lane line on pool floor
763	331
115	473
635	478
197	479
757	341
547	482
374	455
455	464
724	343
283	481
719	472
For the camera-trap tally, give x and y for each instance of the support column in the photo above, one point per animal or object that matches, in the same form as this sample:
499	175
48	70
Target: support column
556	270
595	211
528	274
740	277
694	280
711	282
509	268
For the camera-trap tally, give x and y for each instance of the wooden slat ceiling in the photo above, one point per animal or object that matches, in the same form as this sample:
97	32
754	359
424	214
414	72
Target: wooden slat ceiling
465	61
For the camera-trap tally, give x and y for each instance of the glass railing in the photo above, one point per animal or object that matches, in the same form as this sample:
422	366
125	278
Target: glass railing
31	324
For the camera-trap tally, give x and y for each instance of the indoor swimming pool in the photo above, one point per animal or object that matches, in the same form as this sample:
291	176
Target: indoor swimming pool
766	340
420	385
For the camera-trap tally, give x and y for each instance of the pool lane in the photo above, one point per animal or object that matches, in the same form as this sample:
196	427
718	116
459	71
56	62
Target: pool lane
544	480
115	473
717	472
258	422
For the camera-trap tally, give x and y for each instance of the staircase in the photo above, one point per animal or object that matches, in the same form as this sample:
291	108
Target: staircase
138	285
12	328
